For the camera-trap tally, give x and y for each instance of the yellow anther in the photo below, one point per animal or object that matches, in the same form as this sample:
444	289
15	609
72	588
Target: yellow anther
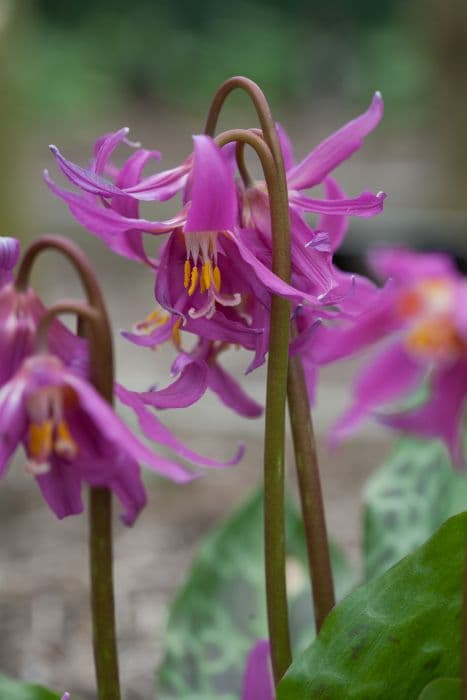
186	274
194	281
155	319
40	439
176	333
216	276
64	445
202	285
206	274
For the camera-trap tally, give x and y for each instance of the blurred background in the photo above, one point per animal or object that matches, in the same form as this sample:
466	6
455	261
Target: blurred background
72	71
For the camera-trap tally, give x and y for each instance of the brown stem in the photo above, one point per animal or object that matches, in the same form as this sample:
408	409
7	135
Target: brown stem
311	497
94	323
83	312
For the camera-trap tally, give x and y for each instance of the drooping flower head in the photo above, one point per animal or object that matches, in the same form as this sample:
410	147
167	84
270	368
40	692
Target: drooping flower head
421	316
72	436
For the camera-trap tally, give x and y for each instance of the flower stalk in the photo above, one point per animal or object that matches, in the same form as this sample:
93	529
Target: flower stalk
302	428
274	446
93	323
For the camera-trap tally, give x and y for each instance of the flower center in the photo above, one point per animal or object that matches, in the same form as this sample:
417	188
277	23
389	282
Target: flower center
201	269
48	431
428	308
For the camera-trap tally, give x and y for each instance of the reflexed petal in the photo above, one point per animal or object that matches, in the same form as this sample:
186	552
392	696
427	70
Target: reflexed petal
336	148
403	264
154	430
442	415
286	146
104	148
213	192
334	225
365	205
257	681
83	178
106	222
231	393
188	388
61	488
392	374
130	175
9	254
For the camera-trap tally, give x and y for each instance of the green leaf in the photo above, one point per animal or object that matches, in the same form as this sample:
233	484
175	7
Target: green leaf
442	689
388	639
221	609
15	690
406	500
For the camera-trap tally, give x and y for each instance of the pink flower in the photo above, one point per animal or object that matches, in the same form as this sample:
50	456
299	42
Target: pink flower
421	315
72	436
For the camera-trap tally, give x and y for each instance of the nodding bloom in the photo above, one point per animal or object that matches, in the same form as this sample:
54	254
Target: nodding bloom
257	681
72	436
9	255
308	245
208	270
421	316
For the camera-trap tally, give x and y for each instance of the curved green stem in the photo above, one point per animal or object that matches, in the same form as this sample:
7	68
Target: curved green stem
274	516
304	442
94	323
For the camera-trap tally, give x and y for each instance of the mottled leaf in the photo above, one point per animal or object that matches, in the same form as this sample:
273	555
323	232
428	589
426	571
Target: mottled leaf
221	609
407	499
15	690
391	637
442	689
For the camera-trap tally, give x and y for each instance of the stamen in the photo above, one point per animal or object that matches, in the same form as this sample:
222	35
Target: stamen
194	281
176	333
206	273
155	319
202	285
64	445
187	273
40	440
216	276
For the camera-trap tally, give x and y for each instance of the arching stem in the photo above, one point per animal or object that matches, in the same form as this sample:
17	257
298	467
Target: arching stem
94	323
302	426
274	534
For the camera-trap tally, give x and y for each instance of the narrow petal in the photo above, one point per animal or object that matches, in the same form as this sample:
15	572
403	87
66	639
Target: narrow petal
154	430
442	415
365	205
188	388
9	255
104	148
213	192
376	321
157	337
85	179
115	431
130	175
231	393
257	681
162	186
392	374
61	488
13	420
286	147
106	222
334	225
336	148
402	264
